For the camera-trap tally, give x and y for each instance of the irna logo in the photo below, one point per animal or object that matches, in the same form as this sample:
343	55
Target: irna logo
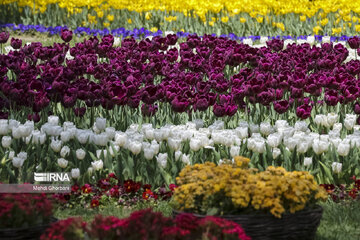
52	177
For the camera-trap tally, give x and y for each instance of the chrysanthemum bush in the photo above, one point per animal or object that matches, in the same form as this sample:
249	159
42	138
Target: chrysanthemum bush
233	188
146	224
24	210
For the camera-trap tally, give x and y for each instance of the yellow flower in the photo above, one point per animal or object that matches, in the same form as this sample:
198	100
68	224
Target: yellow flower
211	23
154	29
100	14
324	21
225	19
129	21
281	26
147	16
317	29
354	19
349	24
242	20
106	24
110	18
259	19
357	28
303	18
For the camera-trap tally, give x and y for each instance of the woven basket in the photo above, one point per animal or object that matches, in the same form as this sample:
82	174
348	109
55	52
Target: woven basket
300	225
29	233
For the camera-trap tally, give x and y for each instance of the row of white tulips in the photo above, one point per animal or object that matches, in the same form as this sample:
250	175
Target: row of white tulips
145	141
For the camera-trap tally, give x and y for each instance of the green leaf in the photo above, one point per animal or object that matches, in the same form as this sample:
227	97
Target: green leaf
212	211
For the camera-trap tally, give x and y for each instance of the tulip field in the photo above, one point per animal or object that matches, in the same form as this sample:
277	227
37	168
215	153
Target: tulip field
141	89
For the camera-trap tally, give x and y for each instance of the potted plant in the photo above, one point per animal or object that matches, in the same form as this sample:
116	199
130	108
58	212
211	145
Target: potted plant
24	216
273	204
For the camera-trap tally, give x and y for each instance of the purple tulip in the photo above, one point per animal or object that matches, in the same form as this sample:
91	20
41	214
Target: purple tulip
149	110
79	112
303	111
179	104
354	42
4	36
66	35
16	43
281	106
34	117
357	108
219	110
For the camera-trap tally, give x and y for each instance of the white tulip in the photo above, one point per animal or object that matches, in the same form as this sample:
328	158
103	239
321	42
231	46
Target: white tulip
6	141
80	154
276	152
177	155
335	141
110	132
62	162
321	120
302	147
38	137
195	144
234	151
274	140
336	167
24	130
174	144
320	146
254	128
56	145
113	149
65	136
97	165
99	152
135	147
120	139
291	143
68	125
199	123
266	128
16	133
75	173
162	159
11	155
307	161
350	121
90	170
155	146
18	162
149	153
95	129
4	127
281	124
337	126
343	148
82	136
149	133
310	40
326	39
260	146
100	123
101	139
301	126
248	41
185	159
65	151
53	120
332	119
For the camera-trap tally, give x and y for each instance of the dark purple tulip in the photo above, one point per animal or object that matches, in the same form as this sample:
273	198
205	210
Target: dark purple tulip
4	36
149	110
79	112
34	117
231	110
281	106
179	104
275	45
219	110
357	108
354	42
202	104
16	43
303	111
66	35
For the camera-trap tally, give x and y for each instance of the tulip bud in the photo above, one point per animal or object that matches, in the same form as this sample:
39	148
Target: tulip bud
120	139
343	148
185	159
174	144
135	147
336	167
80	154
149	153
6	141
266	128
234	151
195	144
62	162
110	132
53	120
100	123
349	121
65	150
65	136
276	152
273	140
97	165
75	173
162	159
18	162
307	161
177	155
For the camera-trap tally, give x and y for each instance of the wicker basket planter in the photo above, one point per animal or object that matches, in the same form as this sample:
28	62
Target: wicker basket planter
29	233
300	225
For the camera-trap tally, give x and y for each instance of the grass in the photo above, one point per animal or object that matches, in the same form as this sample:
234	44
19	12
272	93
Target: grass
340	221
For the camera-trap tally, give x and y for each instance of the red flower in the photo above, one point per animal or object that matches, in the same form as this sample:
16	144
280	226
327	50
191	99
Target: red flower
353	193
148	194
172	187
86	188
112	175
146	187
94	203
131	186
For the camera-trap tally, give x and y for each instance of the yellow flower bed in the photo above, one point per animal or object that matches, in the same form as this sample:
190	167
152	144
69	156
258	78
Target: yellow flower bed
235	188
